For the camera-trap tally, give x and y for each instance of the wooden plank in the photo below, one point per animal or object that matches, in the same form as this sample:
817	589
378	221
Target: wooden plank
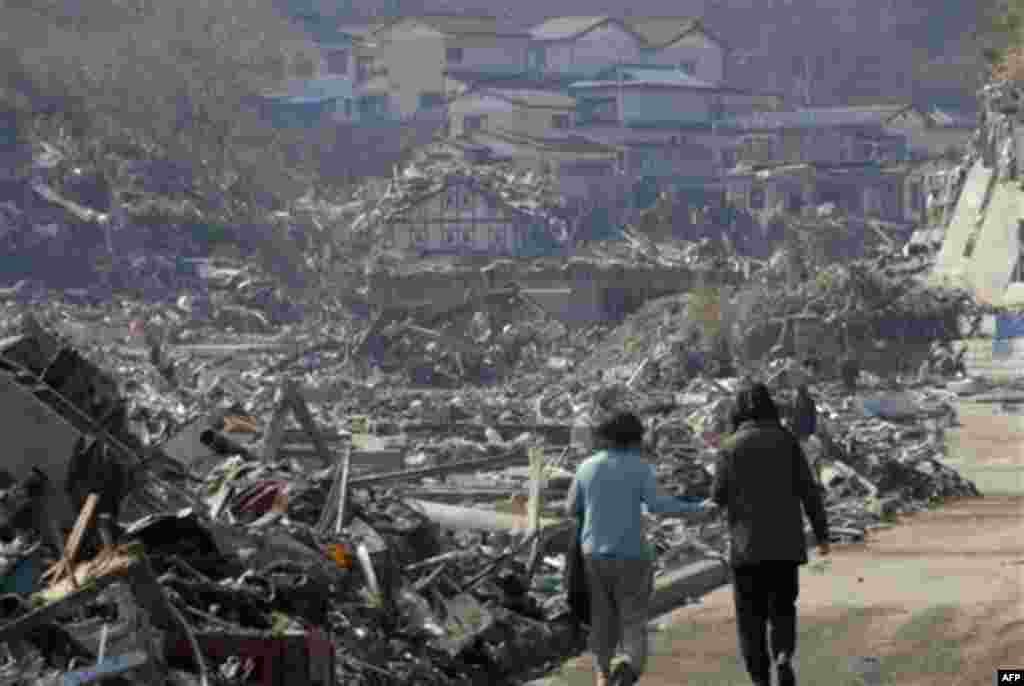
276	431
74	542
305	418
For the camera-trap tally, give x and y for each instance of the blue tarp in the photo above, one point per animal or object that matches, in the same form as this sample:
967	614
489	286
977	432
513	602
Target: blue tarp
1009	326
913	330
1001	349
896	406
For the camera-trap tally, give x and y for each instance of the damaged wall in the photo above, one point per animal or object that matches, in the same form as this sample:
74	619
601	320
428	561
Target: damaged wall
597	291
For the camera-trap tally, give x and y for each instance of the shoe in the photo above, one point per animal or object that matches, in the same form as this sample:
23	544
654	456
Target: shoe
623	675
785	674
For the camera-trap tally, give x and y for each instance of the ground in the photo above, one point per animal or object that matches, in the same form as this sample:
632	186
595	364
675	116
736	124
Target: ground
938	598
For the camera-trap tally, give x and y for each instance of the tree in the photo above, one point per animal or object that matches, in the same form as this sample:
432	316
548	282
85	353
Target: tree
159	79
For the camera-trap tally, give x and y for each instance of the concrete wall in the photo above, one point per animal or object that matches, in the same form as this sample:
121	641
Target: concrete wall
493	54
951	263
997	248
414	56
708	55
593	289
503	115
665	104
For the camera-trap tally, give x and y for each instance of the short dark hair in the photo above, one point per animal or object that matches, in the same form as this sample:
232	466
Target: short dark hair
621	430
754	403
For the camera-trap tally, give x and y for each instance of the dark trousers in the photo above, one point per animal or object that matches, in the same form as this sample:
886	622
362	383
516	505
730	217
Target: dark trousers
765	596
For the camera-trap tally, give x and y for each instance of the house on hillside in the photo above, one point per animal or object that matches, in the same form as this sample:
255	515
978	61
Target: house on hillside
931	131
822	135
415	52
865	191
584	172
581	47
684	43
525	112
463	217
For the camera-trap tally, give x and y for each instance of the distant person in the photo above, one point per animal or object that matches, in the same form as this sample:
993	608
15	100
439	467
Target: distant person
805	420
607	498
762	480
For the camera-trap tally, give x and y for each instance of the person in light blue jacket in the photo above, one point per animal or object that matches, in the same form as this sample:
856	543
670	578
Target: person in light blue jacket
608	496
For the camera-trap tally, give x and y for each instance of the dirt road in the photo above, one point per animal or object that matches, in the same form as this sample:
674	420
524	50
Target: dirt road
939	598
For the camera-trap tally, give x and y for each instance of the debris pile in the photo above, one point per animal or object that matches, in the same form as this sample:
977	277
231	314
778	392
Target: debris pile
273	499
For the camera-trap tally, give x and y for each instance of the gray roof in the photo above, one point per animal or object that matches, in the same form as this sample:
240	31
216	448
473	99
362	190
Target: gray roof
661	31
563	28
813	117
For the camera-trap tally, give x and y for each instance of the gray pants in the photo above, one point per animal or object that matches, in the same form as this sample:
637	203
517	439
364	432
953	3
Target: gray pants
620	593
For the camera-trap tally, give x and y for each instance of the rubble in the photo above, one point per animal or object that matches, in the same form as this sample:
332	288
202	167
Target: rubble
279	498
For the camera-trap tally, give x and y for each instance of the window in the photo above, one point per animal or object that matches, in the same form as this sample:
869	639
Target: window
729	158
872	202
453	55
451	199
757	199
337	62
916	197
430	99
819	68
348	107
560	121
688	67
798	67
449	236
474	122
364	67
304	68
795	202
467	236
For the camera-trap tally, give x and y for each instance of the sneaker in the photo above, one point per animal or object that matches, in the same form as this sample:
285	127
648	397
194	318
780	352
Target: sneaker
623	675
786	676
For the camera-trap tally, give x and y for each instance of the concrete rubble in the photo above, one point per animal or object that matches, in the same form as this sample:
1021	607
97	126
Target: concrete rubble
267	492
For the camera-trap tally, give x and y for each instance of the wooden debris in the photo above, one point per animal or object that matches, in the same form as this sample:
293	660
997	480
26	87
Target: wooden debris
74	542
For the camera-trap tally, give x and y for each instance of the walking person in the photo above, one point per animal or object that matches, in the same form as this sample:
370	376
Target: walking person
805	423
607	498
762	479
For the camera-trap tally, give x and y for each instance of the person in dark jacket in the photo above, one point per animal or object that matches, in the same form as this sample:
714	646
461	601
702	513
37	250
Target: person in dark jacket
762	479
